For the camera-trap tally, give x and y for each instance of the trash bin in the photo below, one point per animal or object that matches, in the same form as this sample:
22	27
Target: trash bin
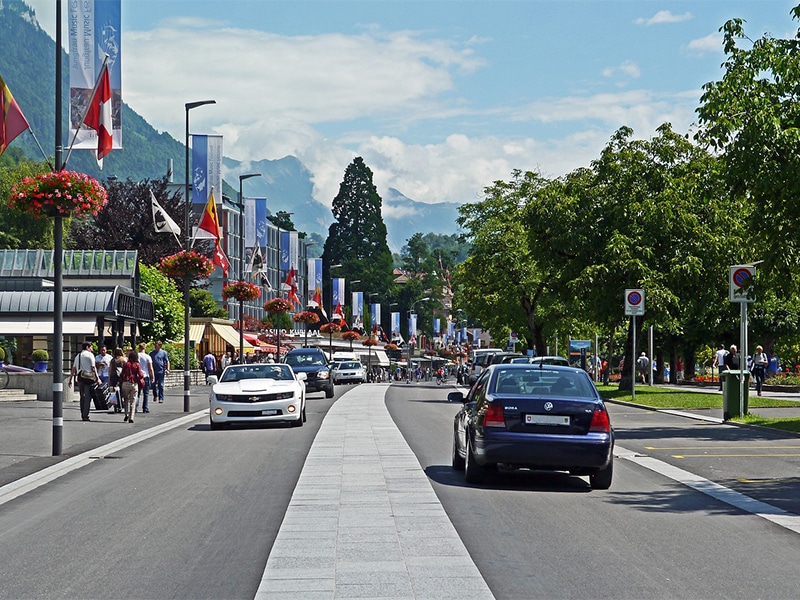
730	393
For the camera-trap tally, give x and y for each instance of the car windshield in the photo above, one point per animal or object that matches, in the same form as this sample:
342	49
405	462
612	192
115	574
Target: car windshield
305	360
350	365
541	381
265	371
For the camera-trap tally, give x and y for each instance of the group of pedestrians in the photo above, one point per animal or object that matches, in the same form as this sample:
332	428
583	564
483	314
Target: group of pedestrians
130	376
730	360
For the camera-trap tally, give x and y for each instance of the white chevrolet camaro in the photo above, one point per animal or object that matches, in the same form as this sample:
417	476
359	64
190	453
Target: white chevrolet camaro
258	393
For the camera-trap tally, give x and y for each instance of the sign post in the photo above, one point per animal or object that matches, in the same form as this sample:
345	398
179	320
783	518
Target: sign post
634	305
740	289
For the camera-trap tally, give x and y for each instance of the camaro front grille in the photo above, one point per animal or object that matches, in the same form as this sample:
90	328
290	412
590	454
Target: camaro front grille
253	398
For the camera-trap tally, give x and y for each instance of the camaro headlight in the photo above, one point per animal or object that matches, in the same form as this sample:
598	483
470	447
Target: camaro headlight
291	408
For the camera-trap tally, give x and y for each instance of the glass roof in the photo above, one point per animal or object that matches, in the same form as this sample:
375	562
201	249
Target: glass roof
77	263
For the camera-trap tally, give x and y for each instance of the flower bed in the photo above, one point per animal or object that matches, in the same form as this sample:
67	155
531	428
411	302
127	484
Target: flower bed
65	193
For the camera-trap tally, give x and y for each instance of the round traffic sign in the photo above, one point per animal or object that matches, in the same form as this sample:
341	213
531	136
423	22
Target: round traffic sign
634	298
740	277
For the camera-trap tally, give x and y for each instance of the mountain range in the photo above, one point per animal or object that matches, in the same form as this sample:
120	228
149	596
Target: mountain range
27	66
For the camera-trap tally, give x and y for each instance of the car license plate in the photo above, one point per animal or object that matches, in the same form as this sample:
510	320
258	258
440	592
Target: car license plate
546	420
269	413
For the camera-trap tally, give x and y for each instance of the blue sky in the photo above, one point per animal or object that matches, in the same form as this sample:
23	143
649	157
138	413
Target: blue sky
440	98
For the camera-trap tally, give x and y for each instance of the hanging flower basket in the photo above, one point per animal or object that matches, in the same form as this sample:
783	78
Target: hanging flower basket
351	336
330	328
243	291
307	317
65	193
391	347
370	341
277	305
186	264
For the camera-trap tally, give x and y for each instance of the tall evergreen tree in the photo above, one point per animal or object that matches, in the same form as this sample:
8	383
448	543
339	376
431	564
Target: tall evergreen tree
357	239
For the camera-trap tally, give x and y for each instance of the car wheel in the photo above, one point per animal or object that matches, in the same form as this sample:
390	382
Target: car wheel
457	460
329	392
473	472
214	426
602	479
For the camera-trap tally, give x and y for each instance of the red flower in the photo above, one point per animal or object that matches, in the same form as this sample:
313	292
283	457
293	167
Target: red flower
307	317
330	328
241	290
277	305
184	264
64	193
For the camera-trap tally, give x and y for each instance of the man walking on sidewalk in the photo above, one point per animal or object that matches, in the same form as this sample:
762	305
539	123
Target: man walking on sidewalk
719	362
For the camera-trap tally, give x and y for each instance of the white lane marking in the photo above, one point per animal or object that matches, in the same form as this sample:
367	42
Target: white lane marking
719	492
17	488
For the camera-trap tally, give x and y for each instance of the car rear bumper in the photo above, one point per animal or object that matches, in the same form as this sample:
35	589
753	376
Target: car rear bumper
545	451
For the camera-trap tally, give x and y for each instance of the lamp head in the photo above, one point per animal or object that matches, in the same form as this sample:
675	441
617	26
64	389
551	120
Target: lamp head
191	105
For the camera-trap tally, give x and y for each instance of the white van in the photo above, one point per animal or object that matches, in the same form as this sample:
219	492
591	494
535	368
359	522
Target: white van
478	359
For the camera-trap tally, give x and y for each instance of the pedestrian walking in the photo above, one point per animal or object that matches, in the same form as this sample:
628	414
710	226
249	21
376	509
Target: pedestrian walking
209	364
160	371
132	379
147	368
760	362
642	366
114	372
719	363
84	371
102	362
732	359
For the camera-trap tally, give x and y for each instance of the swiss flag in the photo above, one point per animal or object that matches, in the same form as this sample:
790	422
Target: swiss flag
220	259
290	287
98	117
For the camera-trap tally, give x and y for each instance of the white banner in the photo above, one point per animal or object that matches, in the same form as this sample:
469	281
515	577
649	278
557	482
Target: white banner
94	31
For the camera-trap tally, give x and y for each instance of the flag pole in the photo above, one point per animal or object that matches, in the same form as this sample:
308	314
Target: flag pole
46	158
85	112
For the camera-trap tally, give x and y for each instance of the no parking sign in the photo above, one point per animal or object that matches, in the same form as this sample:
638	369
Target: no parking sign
741	283
634	303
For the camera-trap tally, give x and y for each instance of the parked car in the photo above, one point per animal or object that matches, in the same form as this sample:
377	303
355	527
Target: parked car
258	393
479	360
349	371
541	417
314	363
541	360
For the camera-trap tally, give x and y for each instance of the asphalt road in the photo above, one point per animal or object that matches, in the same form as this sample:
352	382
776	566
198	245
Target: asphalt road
550	536
191	513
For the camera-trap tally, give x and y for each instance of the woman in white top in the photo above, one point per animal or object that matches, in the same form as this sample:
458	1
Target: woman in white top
84	372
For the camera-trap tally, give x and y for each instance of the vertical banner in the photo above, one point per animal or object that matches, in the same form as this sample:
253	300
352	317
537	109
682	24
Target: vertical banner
314	276
206	167
395	324
358	310
412	325
294	248
337	288
94	31
375	316
451	330
464	336
255	222
436	326
284	250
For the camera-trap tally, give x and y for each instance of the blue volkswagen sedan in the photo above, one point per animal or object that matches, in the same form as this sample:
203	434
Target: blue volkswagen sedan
541	417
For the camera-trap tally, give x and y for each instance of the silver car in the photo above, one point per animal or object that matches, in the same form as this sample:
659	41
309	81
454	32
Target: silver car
349	371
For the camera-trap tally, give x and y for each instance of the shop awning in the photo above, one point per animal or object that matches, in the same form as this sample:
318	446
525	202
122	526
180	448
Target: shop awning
231	336
28	326
196	333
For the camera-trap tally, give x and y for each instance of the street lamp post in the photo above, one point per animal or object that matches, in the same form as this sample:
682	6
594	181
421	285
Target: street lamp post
188	236
241	260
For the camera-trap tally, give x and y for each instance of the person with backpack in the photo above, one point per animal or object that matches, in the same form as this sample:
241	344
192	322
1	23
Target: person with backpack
132	379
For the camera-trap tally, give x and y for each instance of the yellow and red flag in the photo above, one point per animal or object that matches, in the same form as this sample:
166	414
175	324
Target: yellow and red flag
12	121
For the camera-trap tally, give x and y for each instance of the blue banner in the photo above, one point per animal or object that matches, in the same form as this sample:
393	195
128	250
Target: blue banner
358	310
375	314
338	292
284	248
436	327
206	167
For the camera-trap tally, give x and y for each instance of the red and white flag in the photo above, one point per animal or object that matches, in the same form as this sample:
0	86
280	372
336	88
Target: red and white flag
98	117
290	287
220	259
338	312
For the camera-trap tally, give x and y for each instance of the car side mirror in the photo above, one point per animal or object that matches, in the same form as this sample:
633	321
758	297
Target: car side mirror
301	376
456	397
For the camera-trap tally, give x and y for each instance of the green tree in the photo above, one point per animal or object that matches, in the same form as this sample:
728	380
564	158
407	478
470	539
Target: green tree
167	302
19	229
357	239
202	304
126	222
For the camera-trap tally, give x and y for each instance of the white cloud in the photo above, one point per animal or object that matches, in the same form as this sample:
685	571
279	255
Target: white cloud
709	43
664	16
627	69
